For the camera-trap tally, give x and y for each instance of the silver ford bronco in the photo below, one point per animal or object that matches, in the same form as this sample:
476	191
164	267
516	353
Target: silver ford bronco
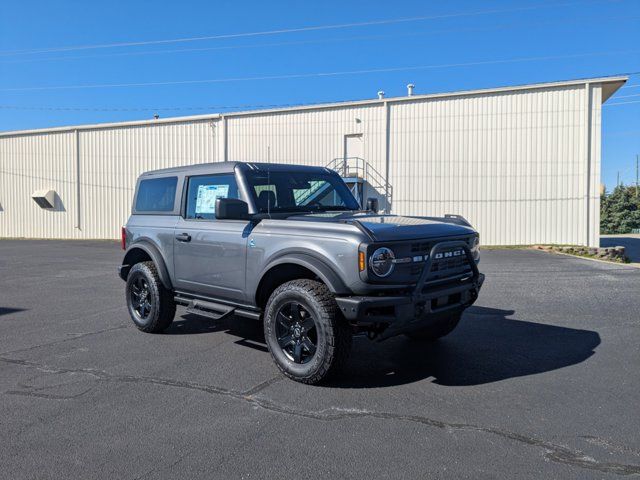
290	246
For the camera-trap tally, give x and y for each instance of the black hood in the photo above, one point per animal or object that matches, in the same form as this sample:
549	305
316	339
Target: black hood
386	228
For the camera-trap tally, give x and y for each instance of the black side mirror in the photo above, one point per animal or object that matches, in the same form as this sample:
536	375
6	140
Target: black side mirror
372	204
231	209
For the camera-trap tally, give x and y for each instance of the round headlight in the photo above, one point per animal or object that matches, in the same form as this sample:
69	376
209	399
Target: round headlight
381	261
474	244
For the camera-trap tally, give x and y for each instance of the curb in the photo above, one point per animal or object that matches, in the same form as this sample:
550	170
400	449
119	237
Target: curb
631	265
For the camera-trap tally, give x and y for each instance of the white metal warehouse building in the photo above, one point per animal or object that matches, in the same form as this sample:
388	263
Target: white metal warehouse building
520	163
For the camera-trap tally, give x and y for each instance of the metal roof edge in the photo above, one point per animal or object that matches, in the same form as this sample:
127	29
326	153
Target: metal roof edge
98	126
621	79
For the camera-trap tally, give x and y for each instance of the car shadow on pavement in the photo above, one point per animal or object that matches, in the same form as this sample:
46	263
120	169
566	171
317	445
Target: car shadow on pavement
8	310
485	347
249	331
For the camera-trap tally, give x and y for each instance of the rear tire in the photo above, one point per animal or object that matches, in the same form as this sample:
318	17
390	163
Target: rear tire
150	305
306	335
432	333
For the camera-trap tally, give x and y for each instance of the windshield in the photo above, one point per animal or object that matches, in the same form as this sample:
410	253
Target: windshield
299	191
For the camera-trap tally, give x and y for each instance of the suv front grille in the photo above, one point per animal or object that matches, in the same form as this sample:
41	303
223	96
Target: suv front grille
421	247
441	267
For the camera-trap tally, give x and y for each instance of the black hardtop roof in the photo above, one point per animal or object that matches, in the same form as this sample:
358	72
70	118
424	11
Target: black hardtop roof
228	167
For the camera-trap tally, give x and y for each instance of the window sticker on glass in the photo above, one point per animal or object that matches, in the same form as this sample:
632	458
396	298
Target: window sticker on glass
207	195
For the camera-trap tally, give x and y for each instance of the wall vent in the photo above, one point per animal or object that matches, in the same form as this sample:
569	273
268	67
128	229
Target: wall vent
45	198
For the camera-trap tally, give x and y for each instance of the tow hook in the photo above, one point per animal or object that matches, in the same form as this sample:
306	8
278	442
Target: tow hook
375	331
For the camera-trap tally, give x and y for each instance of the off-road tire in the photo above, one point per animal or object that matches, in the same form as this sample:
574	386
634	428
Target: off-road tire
333	332
163	306
432	333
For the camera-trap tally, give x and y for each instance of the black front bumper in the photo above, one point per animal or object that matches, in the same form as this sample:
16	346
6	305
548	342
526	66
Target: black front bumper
427	303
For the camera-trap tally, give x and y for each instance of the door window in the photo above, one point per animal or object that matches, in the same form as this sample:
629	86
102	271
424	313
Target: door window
203	191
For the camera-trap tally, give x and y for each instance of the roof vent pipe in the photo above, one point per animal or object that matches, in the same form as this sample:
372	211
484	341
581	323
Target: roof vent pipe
410	88
380	94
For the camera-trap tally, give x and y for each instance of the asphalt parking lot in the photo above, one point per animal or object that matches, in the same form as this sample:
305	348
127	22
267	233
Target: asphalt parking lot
540	380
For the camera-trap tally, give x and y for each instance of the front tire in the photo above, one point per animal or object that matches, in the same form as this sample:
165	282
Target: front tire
305	333
432	333
150	305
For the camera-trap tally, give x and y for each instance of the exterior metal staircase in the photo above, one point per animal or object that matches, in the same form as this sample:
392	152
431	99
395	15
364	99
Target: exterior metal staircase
363	180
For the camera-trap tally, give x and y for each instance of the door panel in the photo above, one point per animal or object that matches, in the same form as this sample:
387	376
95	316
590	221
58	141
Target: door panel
210	254
213	260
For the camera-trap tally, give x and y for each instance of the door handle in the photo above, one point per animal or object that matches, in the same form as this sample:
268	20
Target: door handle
183	237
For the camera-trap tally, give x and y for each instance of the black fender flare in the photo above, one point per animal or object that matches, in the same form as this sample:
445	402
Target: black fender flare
156	257
311	262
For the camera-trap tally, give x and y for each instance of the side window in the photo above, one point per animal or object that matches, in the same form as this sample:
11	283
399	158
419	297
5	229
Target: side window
156	195
203	191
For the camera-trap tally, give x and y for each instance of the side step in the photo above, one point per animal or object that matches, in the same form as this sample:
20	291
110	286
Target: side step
215	311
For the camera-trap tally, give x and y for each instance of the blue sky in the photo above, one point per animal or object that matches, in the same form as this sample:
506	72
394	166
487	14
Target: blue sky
605	33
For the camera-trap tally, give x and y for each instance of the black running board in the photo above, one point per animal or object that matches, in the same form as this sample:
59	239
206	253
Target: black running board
215	311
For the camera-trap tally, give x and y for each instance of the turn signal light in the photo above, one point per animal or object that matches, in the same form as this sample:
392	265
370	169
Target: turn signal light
361	261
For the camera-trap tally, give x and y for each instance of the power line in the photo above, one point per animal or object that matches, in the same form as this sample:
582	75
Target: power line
627	96
59	108
317	74
508	26
620	103
142	109
297	29
226	107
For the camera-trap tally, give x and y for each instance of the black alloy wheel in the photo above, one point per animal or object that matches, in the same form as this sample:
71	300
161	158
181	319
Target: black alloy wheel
307	337
151	306
141	297
296	332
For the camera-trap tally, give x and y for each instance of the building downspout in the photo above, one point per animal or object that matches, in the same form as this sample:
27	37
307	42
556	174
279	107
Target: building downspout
588	120
225	136
387	154
76	134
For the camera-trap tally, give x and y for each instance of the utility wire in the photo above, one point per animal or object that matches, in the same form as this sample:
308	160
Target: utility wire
224	107
508	26
319	74
299	29
143	109
627	96
620	103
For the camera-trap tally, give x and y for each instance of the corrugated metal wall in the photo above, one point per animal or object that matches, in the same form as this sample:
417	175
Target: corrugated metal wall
512	163
521	165
307	137
38	162
110	161
113	158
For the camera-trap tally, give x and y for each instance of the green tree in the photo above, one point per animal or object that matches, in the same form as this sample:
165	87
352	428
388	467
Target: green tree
619	210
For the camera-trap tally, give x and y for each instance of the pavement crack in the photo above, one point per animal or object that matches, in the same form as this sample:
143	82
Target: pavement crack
553	452
31	393
72	336
261	386
613	446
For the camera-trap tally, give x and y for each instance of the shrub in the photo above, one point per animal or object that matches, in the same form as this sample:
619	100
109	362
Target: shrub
620	210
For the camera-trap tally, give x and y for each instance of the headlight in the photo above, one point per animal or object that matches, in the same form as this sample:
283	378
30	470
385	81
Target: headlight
381	261
474	245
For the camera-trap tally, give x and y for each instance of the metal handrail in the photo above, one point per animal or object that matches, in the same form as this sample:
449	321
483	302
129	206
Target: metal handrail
348	167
